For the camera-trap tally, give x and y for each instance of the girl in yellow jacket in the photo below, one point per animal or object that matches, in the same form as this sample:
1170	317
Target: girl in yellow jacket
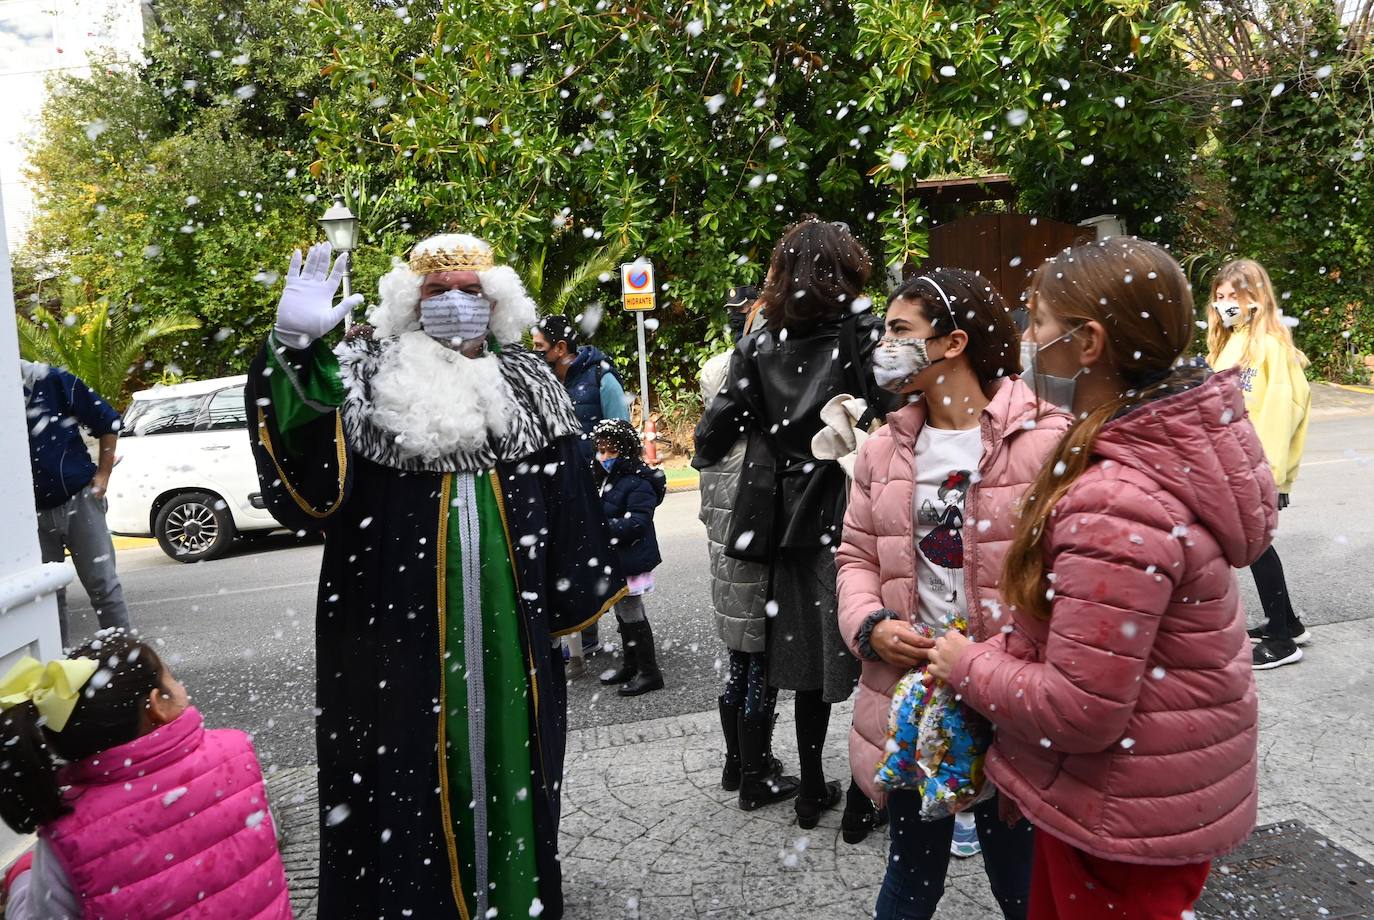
1246	330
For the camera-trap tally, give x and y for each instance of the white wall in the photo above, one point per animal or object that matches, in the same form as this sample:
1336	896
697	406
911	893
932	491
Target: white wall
40	39
28	608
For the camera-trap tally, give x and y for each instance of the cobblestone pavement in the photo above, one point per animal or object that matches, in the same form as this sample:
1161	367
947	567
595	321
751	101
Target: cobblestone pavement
649	835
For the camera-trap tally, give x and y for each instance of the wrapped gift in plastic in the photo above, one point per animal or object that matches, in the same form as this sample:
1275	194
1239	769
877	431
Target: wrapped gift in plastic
935	744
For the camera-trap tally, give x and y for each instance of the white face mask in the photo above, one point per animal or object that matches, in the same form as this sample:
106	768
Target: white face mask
1229	310
455	316
1057	391
897	361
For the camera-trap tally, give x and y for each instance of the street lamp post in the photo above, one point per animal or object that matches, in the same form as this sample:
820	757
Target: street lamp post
341	229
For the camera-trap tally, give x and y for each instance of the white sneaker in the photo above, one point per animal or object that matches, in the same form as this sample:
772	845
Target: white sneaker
965	842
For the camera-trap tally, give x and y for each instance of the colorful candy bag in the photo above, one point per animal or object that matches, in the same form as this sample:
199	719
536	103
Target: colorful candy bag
935	743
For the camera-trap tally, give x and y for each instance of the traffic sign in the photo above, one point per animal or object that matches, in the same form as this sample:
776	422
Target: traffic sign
637	286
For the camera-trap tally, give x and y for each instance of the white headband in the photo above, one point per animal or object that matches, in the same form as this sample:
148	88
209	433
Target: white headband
943	296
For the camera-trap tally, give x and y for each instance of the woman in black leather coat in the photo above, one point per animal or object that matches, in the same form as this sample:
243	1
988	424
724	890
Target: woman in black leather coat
818	342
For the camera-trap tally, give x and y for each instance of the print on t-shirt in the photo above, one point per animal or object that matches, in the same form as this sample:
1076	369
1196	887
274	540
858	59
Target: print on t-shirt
942	466
943	547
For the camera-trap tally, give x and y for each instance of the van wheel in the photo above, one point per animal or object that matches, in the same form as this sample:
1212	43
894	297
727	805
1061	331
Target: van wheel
194	526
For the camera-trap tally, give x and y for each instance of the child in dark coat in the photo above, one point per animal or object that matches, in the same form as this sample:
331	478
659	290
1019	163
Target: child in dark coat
630	491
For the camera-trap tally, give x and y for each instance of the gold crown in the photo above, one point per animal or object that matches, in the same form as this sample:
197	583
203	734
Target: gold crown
458	259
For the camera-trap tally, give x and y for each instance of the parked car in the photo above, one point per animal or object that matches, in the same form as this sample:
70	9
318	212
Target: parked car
184	470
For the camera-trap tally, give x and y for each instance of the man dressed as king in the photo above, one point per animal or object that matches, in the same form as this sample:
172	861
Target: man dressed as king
462	536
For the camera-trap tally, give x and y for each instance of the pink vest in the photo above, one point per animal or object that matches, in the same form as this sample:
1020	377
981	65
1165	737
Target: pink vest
172	824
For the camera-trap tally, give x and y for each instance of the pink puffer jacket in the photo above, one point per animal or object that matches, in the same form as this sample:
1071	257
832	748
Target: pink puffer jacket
877	559
172	824
1126	723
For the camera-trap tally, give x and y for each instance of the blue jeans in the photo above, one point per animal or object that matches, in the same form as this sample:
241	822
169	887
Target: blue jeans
918	859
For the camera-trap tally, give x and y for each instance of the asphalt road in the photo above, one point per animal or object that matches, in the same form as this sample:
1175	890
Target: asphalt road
238	631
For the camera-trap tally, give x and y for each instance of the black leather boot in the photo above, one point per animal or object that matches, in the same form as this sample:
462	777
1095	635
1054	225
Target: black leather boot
860	815
629	661
648	678
729	727
761	779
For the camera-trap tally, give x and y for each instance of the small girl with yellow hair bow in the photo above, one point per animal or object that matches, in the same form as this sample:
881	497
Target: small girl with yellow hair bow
140	811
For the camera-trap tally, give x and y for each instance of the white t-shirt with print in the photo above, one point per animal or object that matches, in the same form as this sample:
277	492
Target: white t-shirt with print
946	463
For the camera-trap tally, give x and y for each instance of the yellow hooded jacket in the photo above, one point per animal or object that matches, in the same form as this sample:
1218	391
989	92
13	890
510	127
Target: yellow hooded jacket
1278	398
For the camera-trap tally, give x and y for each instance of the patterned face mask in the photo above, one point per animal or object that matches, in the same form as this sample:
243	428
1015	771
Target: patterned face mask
897	361
1229	311
455	316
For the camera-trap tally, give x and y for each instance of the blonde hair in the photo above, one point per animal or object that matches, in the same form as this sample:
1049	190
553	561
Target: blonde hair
1141	297
1249	278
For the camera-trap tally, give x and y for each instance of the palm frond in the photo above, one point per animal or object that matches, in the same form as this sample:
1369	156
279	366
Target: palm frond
534	275
100	346
586	273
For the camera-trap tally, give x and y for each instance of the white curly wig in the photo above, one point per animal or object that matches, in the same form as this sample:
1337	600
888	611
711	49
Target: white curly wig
398	292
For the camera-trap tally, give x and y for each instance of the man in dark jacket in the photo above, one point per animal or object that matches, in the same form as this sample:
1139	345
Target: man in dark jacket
587	374
594	389
69	489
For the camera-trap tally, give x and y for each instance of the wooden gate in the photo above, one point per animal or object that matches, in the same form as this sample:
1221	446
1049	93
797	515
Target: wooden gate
1005	248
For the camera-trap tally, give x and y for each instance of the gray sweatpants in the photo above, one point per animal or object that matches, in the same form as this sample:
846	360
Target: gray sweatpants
78	525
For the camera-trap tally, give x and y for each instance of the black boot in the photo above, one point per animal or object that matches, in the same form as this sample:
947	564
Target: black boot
629	663
760	783
817	795
774	765
860	815
648	678
729	727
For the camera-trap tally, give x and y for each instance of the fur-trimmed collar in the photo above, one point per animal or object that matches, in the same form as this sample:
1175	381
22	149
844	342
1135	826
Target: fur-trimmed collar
412	404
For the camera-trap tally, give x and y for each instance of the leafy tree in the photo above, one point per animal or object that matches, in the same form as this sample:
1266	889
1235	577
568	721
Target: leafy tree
169	187
693	133
1290	83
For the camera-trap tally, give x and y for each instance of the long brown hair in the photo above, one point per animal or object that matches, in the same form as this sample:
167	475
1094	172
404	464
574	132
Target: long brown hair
1141	297
106	715
975	306
818	271
1250	280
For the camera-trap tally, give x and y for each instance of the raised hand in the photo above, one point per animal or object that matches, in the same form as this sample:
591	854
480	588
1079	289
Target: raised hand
307	310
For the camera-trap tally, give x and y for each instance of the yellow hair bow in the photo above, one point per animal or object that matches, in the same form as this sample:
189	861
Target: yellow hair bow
53	688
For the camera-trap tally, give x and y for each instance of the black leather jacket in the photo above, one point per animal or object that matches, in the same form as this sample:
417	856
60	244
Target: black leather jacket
776	388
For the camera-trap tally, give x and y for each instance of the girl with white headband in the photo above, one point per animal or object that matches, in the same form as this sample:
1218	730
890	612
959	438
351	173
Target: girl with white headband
932	508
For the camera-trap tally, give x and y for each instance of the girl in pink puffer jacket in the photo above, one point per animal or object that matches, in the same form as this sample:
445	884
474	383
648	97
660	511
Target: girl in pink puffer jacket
931	511
1123	698
151	817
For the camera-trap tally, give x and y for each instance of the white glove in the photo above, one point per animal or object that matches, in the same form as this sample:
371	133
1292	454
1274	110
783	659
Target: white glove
307	310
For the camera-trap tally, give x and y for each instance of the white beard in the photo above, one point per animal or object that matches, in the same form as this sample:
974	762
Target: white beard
436	402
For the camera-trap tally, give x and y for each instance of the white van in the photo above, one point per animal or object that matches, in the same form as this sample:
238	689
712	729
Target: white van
184	470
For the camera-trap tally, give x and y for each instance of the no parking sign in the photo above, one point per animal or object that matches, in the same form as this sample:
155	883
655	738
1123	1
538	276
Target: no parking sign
637	286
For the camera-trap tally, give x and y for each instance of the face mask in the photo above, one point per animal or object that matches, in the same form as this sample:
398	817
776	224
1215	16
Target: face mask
609	462
1057	391
896	361
1229	311
737	321
455	316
